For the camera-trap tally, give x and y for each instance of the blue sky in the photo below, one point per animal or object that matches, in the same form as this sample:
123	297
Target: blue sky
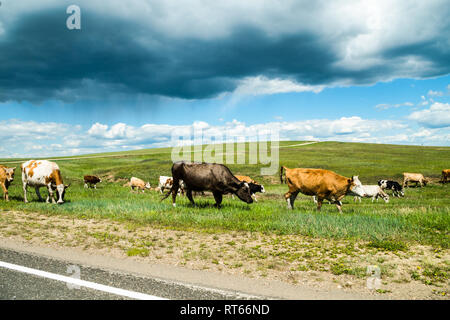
137	72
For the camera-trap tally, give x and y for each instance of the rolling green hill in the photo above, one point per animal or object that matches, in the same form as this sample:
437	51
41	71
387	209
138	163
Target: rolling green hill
422	216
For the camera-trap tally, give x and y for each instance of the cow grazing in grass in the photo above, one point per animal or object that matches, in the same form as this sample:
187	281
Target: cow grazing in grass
445	176
43	173
372	191
213	177
418	178
166	182
139	184
396	188
254	186
324	184
90	181
6	178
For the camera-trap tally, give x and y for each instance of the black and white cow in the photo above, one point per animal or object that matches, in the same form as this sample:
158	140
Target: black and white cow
254	187
392	185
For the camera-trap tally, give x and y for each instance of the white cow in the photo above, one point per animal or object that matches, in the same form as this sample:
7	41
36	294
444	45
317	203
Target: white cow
43	173
373	191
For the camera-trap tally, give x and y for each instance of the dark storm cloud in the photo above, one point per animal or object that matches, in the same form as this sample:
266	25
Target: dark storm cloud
41	59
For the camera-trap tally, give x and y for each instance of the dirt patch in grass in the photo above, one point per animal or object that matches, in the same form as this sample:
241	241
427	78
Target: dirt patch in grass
405	271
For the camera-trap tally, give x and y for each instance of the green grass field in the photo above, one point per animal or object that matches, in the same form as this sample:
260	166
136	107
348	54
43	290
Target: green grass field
422	216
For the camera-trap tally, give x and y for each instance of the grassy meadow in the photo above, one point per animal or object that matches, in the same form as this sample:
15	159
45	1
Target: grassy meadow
422	216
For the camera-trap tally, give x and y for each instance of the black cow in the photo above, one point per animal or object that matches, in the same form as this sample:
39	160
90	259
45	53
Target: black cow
392	185
91	181
213	177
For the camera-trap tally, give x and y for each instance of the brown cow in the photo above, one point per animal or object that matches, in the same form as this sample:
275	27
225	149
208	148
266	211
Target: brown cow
90	181
418	178
445	175
6	177
246	179
139	184
324	184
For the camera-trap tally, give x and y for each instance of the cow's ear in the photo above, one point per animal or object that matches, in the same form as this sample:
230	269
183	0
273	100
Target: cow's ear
350	180
66	186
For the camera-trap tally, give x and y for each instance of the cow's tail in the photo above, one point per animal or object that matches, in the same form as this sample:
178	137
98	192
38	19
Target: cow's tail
281	175
167	194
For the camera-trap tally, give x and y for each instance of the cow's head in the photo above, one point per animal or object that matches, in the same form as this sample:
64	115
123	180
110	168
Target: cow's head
60	191
254	187
243	192
9	173
355	186
382	184
262	189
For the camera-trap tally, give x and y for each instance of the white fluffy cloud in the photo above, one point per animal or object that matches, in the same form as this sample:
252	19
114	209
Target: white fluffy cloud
32	139
437	116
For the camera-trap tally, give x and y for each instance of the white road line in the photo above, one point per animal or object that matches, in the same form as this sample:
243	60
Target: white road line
79	282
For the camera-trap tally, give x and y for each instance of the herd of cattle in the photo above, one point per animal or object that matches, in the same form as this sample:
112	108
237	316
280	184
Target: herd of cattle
189	178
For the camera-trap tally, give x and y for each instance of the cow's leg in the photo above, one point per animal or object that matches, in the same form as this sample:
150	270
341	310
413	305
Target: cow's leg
254	197
95	186
339	206
50	194
38	193
189	196
175	187
5	192
24	186
319	203
218	198
85	185
292	198
288	196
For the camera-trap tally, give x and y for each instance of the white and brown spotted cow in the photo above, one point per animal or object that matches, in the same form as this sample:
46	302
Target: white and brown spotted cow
166	182
43	173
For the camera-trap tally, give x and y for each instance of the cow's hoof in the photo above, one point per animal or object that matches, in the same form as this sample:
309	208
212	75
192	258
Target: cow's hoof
174	205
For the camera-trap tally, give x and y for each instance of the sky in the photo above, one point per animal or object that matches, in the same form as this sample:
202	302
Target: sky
141	74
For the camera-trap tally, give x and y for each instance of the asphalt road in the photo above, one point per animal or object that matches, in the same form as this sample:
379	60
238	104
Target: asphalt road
19	285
